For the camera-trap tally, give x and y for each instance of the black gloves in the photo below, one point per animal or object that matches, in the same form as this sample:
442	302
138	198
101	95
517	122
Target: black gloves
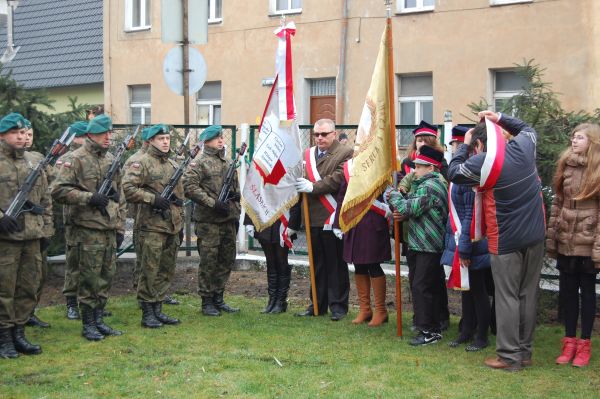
98	200
176	200
222	208
160	203
235	197
8	225
120	238
180	236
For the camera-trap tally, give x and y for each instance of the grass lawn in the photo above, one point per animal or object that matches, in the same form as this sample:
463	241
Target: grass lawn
271	356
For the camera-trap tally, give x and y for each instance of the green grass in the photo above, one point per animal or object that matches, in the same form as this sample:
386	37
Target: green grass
235	356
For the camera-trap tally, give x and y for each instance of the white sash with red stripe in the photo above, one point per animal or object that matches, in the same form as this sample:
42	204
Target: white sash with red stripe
284	239
377	206
313	175
490	172
459	276
283	66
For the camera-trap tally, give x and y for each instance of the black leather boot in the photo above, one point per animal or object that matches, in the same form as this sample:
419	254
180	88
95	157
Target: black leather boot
163	318
89	331
221	305
101	326
21	343
285	276
149	320
7	346
208	307
34	321
72	309
272	282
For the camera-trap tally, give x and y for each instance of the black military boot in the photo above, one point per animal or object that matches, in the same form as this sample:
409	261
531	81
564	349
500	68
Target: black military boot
163	318
221	305
33	321
208	307
72	309
285	276
149	320
7	346
89	331
21	343
272	285
101	326
169	300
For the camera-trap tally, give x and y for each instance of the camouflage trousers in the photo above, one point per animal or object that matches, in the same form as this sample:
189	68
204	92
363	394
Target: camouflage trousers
96	250
20	270
71	264
157	260
216	247
43	276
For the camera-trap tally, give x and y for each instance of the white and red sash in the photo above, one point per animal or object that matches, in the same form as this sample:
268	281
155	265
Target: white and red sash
285	83
313	175
490	172
377	206
284	239
459	276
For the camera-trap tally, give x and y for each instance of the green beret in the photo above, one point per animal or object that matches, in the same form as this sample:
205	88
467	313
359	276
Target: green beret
100	124
12	121
152	131
78	128
27	124
210	133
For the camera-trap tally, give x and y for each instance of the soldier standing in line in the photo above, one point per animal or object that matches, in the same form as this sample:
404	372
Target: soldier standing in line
34	321
158	222
215	221
97	234
20	255
71	256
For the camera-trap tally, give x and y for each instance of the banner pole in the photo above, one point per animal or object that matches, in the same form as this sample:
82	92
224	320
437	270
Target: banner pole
311	266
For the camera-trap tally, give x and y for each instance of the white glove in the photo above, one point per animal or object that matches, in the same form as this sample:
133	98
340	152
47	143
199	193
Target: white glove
338	233
303	185
291	232
388	211
250	229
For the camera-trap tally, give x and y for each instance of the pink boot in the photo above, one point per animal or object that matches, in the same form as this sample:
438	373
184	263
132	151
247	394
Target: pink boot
569	349
584	352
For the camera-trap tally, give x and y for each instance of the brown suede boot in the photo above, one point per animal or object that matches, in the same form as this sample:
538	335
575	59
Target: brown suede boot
363	290
380	316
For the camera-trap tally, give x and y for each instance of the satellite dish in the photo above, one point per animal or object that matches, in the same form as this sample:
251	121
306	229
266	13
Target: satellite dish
173	70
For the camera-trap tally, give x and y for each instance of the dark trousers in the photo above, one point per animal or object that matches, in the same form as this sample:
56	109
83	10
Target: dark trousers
331	272
576	284
426	290
476	306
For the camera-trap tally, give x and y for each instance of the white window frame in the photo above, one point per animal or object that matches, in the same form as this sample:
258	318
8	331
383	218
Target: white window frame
417	100
212	9
502	95
143	13
211	108
505	2
142	105
401	9
289	10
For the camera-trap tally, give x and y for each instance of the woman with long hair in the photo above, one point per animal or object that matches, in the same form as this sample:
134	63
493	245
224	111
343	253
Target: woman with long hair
573	238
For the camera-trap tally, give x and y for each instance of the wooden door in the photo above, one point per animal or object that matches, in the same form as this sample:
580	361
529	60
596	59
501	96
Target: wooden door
322	107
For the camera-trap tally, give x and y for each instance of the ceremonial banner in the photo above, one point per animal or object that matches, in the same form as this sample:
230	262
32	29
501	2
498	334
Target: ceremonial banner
372	170
277	162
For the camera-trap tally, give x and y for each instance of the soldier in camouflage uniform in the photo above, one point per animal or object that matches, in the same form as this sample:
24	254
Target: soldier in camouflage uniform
20	255
158	222
71	256
34	321
95	235
215	222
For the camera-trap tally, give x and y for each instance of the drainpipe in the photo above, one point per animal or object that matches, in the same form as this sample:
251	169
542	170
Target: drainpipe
341	81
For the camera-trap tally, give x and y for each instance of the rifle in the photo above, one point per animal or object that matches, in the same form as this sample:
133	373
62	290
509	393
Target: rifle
225	190
21	203
167	192
106	185
181	149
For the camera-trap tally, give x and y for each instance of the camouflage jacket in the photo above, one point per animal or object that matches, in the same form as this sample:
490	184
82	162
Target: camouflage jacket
143	180
15	166
79	178
202	183
48	215
132	208
66	157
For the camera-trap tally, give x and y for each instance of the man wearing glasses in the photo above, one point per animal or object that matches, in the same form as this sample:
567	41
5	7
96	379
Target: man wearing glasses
325	173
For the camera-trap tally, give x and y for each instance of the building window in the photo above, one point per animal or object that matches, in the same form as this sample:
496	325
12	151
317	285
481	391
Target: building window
285	6
215	11
405	6
322	87
502	2
138	14
507	84
140	104
415	103
208	104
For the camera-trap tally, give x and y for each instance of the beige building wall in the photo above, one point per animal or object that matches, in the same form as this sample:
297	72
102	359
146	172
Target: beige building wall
88	94
460	43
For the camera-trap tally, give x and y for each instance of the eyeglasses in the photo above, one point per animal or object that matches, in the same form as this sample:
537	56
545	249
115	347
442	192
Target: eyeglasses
323	134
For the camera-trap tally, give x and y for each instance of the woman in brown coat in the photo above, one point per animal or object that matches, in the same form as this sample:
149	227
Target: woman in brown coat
573	238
